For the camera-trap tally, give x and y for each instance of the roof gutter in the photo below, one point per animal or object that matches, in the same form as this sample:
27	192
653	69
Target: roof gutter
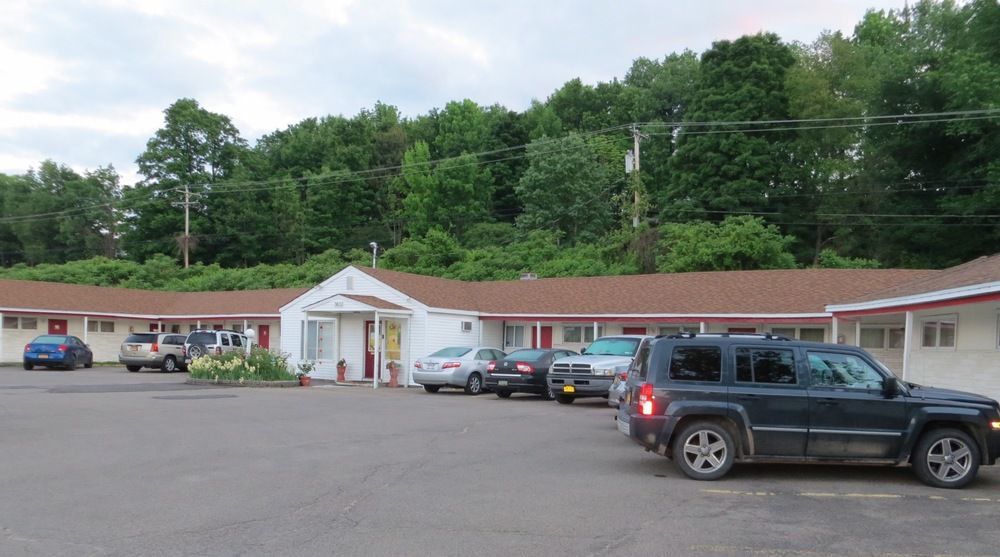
898	303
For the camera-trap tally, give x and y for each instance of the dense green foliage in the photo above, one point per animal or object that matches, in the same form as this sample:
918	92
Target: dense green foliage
755	156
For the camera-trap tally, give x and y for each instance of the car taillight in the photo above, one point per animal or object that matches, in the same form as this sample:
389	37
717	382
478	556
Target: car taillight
63	347
525	368
491	366
447	365
623	376
154	348
646	399
418	365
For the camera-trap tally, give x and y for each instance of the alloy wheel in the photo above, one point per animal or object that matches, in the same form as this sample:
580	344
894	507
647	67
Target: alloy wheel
705	451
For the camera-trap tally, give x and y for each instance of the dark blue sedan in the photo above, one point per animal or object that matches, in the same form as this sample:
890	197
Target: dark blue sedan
57	351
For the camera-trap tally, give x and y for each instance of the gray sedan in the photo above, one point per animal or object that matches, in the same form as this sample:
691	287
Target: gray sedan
456	366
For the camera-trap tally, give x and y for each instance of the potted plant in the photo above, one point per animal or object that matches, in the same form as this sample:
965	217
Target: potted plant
341	370
393	373
304	368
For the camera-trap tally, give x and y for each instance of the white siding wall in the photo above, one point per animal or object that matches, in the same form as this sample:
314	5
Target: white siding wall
974	365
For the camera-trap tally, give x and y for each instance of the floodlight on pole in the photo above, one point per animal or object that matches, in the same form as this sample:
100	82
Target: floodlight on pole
374	246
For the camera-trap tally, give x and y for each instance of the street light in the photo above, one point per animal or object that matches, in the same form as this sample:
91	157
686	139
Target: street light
374	247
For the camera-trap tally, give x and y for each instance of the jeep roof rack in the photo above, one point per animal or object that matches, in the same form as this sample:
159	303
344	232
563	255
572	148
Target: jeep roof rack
761	336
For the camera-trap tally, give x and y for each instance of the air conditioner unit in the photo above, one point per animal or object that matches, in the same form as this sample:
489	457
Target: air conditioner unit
466	326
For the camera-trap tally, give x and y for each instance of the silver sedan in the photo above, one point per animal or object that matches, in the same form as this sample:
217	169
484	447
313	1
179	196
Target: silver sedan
456	366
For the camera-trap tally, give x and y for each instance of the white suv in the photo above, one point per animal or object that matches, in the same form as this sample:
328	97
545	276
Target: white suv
203	342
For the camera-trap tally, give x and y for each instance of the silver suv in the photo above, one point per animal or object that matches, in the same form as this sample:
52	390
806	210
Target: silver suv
203	342
592	372
163	351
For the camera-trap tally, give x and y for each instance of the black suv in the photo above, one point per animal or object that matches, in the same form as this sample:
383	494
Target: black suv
708	400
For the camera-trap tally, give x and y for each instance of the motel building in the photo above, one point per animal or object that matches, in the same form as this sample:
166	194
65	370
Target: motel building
935	327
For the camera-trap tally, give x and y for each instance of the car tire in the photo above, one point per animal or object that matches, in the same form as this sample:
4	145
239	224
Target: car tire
196	351
946	458
474	385
565	399
28	367
71	364
169	365
704	451
90	363
432	388
503	394
133	369
547	394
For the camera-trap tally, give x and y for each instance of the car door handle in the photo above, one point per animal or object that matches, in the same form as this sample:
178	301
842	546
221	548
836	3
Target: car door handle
748	397
827	402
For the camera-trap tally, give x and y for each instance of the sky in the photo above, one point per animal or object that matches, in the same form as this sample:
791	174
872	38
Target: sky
85	83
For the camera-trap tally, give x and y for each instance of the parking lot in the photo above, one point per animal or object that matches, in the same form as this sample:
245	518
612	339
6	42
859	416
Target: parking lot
106	462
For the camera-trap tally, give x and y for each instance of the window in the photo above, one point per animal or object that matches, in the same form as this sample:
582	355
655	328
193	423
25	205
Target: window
513	335
873	338
760	365
9	322
466	326
940	332
238	327
100	326
829	369
581	333
896	338
783	331
641	362
696	364
225	339
29	323
674	329
175	328
812	335
192	328
484	355
319	340
237	340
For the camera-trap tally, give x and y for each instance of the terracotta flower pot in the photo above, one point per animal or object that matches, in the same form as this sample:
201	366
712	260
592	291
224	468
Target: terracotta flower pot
393	375
305	380
341	374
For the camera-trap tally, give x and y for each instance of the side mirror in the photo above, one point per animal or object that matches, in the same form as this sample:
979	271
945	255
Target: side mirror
583	351
890	387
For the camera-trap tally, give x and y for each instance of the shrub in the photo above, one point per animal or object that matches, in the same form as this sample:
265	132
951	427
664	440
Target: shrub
260	365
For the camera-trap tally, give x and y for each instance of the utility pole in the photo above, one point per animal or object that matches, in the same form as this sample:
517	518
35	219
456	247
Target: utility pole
632	167
186	239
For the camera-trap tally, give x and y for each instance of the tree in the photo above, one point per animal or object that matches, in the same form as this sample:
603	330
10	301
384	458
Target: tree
735	244
566	189
449	195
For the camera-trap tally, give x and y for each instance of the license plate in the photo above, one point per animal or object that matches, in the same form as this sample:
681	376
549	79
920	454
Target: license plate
623	426
502	382
43	356
569	389
133	348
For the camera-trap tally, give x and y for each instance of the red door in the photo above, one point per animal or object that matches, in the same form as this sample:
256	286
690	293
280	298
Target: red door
58	327
369	349
546	337
633	330
154	328
217	327
264	336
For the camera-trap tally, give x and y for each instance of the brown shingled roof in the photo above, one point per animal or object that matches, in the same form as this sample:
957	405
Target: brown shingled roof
38	295
724	292
982	270
374	302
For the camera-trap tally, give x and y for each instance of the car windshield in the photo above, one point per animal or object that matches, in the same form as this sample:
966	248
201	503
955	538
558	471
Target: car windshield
527	355
201	338
451	352
141	338
613	347
49	339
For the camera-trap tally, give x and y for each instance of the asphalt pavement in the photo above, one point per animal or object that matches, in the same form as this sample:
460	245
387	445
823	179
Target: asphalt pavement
106	462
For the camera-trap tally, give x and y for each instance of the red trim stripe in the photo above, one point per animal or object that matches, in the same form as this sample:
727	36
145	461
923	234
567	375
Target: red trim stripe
918	307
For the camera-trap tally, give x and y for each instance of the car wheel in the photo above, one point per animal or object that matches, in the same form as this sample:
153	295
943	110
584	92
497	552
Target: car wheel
547	394
704	451
474	385
432	388
196	351
564	399
946	458
71	363
169	364
133	369
28	366
503	394
90	363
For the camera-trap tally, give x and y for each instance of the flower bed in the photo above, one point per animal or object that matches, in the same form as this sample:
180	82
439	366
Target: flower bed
261	365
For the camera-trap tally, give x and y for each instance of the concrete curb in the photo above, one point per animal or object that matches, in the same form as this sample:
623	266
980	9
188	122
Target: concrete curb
228	383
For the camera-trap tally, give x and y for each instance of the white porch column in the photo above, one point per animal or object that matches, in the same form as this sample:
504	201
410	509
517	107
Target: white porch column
86	328
595	330
378	353
702	327
835	330
1	335
305	333
198	324
857	332
538	334
907	344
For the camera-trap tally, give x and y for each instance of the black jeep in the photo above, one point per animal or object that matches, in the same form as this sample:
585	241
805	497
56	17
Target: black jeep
708	400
